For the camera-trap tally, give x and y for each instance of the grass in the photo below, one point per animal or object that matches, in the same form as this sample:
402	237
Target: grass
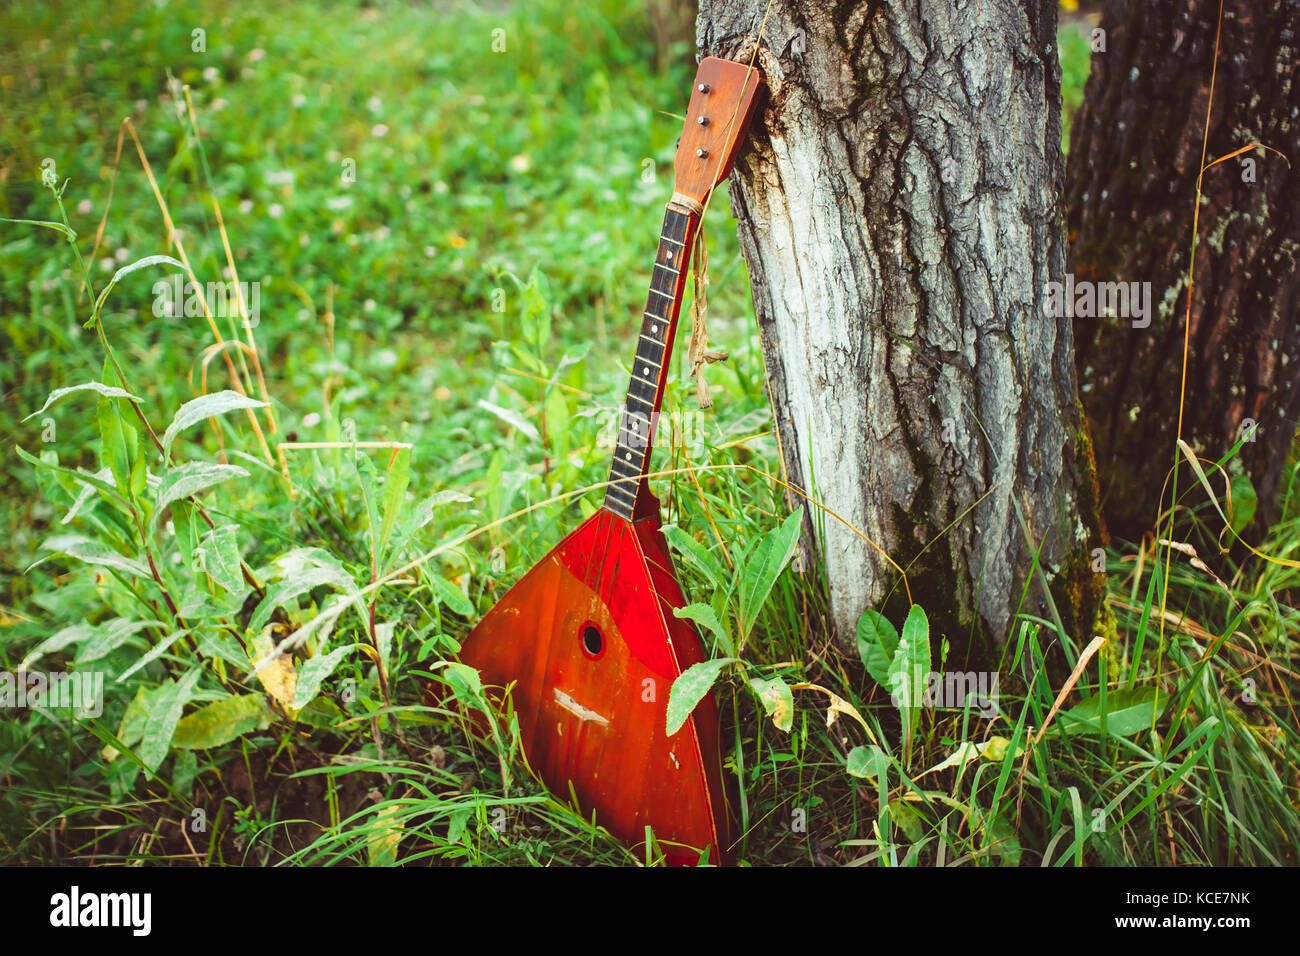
464	302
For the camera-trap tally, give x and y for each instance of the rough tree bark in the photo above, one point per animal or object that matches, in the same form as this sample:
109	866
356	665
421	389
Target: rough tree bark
1135	153
899	210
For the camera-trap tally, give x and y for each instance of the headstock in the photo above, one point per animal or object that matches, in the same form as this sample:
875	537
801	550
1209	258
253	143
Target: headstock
722	102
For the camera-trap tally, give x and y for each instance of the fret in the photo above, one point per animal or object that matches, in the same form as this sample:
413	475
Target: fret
648	391
664	281
614	488
632	423
621	476
637	420
628	413
675	222
631	470
635	440
618	506
625	454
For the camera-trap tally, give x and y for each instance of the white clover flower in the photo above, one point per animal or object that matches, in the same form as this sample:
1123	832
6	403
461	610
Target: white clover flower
379	130
275	210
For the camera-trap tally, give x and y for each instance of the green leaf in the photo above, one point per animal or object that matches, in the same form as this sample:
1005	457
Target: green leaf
107	391
557	423
93	552
221	722
98	480
120	443
1128	712
321	712
703	615
189	479
162	712
868	762
514	419
56	226
450	595
908	819
72	634
772	553
689	689
205	406
908	670
1244	502
152	654
109	637
778	700
218	556
219	646
313	672
399	477
877	642
417	517
131	729
291	588
695	553
465	683
122	273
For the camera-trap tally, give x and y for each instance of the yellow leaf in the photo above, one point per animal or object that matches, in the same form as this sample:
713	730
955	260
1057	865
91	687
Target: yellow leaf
279	678
381	845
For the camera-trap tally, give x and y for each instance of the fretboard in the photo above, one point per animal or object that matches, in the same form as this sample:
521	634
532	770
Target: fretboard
654	346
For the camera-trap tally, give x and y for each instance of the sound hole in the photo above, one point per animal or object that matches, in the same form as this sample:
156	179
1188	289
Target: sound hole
592	641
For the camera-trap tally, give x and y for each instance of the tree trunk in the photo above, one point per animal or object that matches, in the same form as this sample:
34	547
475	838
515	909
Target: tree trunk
899	209
1134	157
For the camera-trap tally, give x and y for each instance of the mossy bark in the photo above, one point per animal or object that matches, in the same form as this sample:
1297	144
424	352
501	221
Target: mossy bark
1135	155
899	210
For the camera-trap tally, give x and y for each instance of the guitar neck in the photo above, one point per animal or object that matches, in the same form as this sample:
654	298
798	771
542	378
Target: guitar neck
645	390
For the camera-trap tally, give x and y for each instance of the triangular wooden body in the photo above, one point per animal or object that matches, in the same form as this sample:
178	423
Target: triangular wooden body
590	644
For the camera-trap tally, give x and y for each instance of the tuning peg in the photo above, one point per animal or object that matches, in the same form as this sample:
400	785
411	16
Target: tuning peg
703	120
703	87
701	153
